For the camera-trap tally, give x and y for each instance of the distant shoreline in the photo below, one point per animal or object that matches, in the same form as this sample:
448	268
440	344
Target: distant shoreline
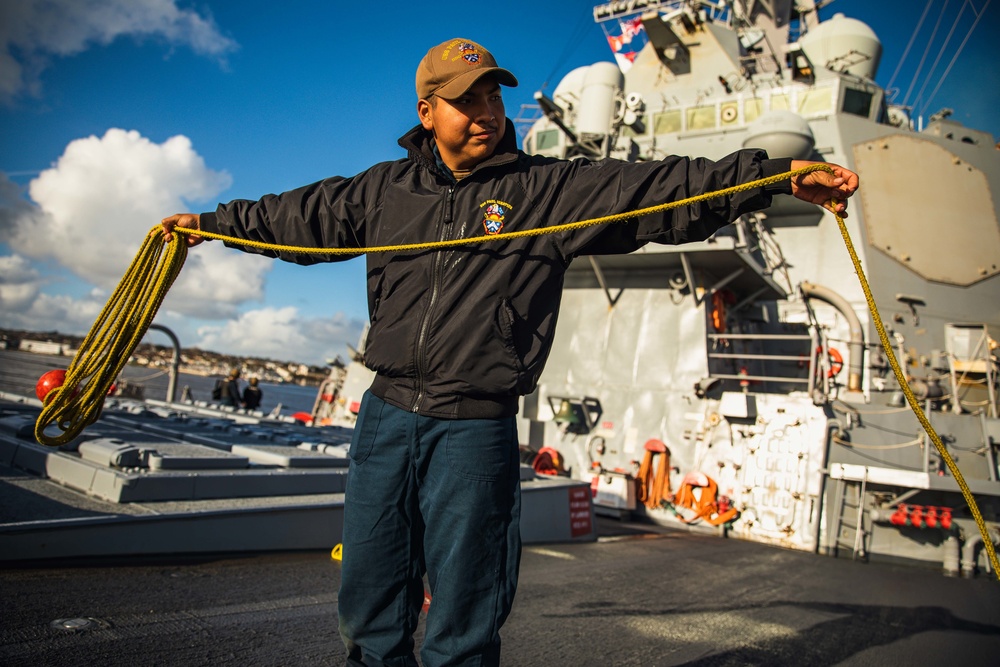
20	370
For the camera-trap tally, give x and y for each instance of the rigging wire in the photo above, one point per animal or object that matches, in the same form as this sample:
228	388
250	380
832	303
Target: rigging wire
913	38
576	38
941	51
927	49
957	54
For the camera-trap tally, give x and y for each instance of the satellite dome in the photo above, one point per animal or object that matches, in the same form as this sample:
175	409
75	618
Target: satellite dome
781	134
843	45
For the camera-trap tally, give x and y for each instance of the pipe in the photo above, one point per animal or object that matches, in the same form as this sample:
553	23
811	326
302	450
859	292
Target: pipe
175	362
950	547
832	427
969	555
856	346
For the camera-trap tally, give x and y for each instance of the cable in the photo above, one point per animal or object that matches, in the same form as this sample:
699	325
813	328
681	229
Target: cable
944	46
913	38
927	49
900	445
954	58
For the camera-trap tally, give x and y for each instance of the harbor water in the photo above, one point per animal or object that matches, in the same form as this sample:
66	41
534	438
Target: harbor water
19	372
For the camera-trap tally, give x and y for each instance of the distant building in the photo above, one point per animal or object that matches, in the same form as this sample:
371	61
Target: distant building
41	347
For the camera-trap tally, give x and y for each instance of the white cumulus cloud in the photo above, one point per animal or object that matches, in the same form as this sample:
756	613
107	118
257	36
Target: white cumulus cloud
282	334
48	312
20	284
33	31
94	207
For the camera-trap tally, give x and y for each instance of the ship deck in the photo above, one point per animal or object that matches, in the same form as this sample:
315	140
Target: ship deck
123	592
639	595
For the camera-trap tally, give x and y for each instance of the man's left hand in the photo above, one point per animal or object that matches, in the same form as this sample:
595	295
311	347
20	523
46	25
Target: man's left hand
823	188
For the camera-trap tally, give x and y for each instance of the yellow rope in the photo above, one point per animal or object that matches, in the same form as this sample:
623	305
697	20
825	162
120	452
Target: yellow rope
554	229
115	334
914	404
130	310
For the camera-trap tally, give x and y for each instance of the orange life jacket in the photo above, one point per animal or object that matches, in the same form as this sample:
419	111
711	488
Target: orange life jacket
705	505
653	488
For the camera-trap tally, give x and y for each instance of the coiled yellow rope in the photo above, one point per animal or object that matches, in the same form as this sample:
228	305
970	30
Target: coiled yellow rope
130	310
115	334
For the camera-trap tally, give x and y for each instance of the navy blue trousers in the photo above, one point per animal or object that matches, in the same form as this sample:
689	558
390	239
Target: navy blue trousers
429	496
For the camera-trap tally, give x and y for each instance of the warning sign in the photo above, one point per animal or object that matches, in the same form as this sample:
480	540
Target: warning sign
579	512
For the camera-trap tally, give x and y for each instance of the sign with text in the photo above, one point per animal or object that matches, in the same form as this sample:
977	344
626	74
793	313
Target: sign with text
579	512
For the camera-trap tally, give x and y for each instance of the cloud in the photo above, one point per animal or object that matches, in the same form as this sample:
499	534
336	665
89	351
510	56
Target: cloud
19	284
14	210
33	31
281	334
44	312
93	208
90	212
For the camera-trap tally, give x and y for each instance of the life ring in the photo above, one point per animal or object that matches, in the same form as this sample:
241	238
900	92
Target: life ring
547	462
836	360
303	418
720	300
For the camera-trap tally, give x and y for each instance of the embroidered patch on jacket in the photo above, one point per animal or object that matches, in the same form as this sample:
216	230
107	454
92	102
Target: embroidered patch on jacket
494	214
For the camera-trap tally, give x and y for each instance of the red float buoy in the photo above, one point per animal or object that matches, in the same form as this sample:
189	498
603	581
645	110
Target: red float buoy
49	381
303	417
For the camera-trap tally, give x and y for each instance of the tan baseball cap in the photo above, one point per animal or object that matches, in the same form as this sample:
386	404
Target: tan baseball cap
450	68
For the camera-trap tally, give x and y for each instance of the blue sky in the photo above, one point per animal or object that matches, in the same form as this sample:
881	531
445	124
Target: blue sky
115	113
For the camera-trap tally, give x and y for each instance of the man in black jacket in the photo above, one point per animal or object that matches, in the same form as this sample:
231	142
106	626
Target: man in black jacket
457	335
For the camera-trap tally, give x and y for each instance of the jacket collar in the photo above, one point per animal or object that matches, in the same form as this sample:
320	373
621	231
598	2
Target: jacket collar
419	145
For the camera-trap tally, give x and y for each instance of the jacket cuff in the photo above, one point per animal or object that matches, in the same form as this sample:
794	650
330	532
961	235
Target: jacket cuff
773	168
208	223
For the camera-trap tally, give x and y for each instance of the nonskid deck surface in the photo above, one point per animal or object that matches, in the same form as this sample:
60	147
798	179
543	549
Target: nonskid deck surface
151	478
638	596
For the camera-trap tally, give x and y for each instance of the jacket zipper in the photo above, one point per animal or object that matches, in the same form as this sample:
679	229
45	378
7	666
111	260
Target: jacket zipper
435	289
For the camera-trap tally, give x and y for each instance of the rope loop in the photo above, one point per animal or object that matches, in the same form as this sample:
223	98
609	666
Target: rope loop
119	328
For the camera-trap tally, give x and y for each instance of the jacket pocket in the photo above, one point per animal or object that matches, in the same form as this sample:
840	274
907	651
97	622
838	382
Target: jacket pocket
507	320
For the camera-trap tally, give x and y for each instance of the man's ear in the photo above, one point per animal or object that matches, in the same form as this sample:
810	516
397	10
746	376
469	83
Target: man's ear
425	111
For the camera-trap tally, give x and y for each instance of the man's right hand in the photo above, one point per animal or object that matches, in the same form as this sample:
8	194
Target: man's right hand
185	220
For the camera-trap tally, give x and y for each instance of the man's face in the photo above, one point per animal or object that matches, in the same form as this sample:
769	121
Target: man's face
467	129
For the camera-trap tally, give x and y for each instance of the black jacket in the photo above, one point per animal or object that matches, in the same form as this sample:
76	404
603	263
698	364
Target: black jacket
463	332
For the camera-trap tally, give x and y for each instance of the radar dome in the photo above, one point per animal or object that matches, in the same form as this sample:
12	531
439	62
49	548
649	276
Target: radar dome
843	44
568	91
602	83
781	134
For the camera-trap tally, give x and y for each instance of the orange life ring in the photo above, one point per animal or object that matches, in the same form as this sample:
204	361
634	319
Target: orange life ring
720	299
836	360
547	462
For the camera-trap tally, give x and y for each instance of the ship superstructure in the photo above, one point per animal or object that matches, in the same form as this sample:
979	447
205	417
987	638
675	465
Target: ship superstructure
750	361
